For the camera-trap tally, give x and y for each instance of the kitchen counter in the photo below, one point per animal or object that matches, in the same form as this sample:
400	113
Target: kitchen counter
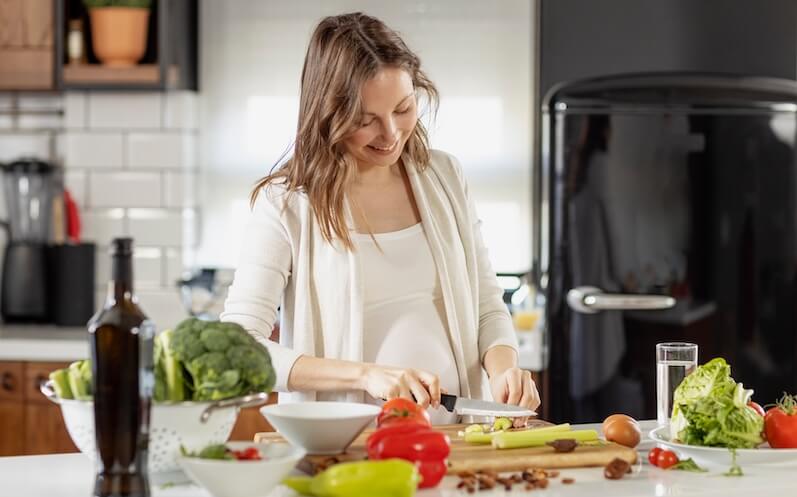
70	475
42	343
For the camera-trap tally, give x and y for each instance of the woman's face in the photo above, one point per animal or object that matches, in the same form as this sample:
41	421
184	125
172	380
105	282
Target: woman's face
388	119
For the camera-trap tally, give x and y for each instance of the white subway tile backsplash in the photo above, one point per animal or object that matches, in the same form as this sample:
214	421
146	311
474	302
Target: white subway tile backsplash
101	226
174	266
163	307
75	182
88	149
179	190
147	267
125	189
16	145
166	150
40	121
6	122
40	102
75	115
180	110
156	226
125	110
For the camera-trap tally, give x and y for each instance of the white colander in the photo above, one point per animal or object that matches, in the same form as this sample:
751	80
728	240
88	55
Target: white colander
193	425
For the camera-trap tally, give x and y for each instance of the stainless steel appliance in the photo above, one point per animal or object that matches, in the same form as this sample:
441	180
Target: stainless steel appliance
28	191
669	203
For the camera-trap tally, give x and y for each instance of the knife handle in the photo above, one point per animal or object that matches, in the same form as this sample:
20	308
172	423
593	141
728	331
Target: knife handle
448	401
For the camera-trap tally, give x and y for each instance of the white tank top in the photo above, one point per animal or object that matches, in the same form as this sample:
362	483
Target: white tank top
404	319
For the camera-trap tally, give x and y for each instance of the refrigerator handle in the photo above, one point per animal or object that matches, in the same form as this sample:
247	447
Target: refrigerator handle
590	300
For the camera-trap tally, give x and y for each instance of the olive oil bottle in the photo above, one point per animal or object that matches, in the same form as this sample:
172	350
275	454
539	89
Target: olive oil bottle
121	344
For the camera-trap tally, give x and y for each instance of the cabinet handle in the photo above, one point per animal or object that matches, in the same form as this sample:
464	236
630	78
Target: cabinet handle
7	382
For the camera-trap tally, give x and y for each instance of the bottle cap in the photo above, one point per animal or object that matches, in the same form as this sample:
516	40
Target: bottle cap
122	246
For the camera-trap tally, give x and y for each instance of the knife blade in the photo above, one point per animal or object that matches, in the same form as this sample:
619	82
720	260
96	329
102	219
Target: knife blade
471	407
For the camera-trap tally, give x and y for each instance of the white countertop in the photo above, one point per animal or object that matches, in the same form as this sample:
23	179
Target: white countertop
42	343
71	475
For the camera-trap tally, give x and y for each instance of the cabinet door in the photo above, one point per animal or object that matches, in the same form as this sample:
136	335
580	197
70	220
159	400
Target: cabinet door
12	377
27	55
45	431
12	421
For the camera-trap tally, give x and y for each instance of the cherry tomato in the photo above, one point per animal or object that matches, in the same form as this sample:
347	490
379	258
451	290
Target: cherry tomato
757	408
666	459
400	410
653	456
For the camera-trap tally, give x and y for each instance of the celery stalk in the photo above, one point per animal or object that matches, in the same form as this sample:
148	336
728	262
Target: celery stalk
518	439
486	438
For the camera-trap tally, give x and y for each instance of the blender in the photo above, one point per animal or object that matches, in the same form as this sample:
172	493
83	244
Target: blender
28	185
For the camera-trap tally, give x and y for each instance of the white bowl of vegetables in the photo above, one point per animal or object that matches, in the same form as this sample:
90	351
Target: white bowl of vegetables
241	469
205	371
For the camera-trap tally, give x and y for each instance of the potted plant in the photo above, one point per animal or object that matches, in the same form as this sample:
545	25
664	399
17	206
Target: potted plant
118	30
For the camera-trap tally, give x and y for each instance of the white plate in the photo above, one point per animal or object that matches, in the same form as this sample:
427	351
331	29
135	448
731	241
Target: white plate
720	456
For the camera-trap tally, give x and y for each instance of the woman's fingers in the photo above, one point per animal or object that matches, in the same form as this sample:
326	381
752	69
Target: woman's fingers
405	391
514	379
432	384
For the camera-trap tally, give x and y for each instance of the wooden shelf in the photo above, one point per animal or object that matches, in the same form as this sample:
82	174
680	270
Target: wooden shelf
143	74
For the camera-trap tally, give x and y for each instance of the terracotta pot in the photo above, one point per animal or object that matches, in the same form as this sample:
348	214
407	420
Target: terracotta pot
119	34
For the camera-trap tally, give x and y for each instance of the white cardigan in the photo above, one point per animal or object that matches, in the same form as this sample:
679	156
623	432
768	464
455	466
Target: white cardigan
286	261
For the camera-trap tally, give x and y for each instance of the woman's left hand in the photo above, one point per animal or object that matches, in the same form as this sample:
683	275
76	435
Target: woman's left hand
515	386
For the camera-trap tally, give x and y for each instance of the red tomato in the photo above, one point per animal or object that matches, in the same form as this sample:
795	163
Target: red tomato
666	459
757	408
247	454
780	423
402	411
653	456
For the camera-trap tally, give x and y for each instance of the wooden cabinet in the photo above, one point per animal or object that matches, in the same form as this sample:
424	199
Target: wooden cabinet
33	48
27	45
31	423
169	62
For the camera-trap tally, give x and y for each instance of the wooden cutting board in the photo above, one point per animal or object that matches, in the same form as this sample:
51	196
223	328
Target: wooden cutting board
470	457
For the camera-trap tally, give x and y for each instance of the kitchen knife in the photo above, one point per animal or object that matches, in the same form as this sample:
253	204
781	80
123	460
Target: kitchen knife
470	407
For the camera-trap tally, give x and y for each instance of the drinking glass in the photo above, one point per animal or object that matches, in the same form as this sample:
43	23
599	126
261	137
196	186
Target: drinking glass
674	361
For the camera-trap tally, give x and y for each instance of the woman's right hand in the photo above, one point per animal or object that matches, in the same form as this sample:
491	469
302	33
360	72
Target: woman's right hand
384	382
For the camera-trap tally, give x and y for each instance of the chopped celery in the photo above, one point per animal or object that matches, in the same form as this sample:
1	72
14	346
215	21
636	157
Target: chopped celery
533	438
486	438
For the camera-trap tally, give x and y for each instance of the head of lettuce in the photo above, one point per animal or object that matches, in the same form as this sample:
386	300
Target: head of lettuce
710	409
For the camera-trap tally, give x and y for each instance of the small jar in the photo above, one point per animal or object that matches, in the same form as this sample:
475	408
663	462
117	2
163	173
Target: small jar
75	44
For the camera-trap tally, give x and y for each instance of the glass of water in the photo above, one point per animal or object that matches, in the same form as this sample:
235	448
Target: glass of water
674	361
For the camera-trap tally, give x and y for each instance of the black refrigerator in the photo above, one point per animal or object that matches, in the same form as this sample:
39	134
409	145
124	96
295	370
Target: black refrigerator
667	203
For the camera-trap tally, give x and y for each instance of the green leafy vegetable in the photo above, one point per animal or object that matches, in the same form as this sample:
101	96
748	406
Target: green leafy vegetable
688	465
214	451
735	469
710	409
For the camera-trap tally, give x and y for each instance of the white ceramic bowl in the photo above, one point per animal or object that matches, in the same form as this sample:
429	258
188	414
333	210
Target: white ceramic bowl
223	478
320	427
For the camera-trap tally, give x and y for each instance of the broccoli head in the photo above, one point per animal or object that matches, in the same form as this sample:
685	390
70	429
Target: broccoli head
197	360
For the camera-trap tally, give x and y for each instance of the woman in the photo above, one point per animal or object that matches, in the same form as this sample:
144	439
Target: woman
369	242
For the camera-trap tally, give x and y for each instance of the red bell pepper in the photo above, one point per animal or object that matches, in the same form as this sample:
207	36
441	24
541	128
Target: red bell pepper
427	448
388	431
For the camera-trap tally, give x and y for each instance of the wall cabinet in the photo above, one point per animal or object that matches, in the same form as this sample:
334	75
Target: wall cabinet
27	45
33	48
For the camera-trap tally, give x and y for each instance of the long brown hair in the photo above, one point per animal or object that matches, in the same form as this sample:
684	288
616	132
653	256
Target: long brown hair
344	52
